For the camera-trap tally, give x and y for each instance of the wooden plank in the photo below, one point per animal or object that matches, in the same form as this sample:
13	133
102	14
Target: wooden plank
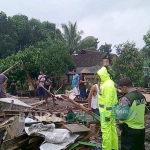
17	126
12	102
147	96
8	144
10	68
9	131
76	128
76	104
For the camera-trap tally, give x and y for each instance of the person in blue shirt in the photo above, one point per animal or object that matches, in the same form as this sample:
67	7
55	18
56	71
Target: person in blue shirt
75	86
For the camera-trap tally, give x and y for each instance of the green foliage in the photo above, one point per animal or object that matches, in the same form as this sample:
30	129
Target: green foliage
71	35
105	48
19	33
128	64
89	42
145	52
49	56
146	38
56	57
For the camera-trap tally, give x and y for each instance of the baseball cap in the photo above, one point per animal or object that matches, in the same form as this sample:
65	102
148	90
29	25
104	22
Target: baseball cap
125	82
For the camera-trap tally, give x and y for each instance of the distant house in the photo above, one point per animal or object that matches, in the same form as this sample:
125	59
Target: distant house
89	61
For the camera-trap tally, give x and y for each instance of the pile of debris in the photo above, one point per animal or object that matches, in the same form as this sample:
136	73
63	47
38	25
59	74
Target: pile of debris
32	126
28	125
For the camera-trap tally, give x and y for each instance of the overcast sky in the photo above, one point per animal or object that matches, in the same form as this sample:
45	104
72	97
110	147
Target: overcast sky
111	21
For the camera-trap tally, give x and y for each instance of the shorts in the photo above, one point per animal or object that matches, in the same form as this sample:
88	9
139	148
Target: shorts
83	93
46	94
96	111
76	91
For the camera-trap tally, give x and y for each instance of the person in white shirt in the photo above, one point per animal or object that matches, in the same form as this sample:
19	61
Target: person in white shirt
93	99
93	105
41	80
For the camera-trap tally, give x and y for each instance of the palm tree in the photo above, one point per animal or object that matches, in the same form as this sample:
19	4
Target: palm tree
71	35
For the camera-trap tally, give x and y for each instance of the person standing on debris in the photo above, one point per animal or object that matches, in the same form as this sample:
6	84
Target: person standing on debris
107	98
131	114
41	80
75	85
52	87
82	86
31	87
13	88
47	85
3	84
93	99
93	105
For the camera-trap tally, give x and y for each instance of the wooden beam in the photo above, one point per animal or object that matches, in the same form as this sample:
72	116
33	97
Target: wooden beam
76	104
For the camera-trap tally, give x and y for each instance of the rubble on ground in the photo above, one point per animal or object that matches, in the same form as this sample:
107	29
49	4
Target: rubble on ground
17	132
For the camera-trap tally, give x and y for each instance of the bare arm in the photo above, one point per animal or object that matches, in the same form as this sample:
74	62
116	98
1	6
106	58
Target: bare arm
90	96
50	86
5	81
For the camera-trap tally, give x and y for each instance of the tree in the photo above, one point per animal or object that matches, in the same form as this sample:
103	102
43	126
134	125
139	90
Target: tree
49	55
145	51
146	38
105	48
71	35
19	33
89	42
22	28
55	57
129	63
8	38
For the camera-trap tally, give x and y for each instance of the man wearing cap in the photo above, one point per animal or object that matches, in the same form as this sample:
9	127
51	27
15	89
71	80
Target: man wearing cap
107	98
132	119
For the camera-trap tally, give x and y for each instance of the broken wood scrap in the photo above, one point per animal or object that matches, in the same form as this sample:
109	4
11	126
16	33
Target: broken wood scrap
76	128
10	143
15	129
37	104
22	142
11	105
10	68
76	104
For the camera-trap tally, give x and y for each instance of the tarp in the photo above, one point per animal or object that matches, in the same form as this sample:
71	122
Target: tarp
55	139
16	101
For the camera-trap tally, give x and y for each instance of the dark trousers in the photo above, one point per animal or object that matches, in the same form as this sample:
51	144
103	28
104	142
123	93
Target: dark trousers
41	93
132	139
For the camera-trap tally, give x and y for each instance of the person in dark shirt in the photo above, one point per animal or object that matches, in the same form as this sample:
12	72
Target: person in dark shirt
13	88
82	86
53	86
49	84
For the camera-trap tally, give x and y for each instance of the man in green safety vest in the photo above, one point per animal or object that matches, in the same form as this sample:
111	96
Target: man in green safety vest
132	110
107	98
